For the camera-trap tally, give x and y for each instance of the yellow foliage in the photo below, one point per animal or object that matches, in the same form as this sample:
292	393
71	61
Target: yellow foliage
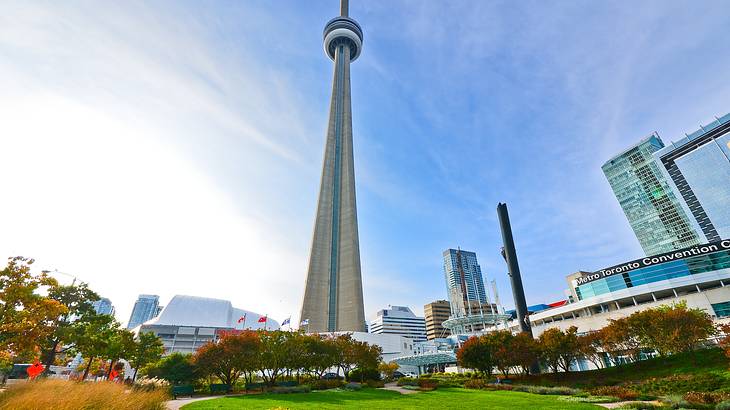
68	395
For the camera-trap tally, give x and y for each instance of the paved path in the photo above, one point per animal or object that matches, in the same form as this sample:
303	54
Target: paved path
395	387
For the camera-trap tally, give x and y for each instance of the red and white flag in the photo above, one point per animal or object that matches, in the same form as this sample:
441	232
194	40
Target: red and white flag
262	319
242	319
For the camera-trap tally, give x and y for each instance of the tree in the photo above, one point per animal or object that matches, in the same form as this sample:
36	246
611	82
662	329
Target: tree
246	348
345	355
671	329
476	354
388	369
590	347
559	349
366	357
26	317
147	349
78	301
321	354
275	354
619	339
500	342
177	368
229	358
120	345
92	338
523	351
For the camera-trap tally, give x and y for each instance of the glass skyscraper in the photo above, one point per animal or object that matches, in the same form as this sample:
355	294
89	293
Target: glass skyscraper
698	167
464	281
104	306
656	215
145	308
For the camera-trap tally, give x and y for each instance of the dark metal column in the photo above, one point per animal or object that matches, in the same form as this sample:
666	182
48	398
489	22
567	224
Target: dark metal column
510	256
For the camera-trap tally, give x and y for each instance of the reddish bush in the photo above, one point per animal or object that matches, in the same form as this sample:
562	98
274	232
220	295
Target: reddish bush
615	391
427	384
706	397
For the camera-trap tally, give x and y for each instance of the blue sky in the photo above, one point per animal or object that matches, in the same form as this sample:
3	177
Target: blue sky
175	147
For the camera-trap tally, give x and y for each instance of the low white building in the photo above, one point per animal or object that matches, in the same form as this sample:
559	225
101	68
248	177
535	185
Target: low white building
401	321
188	322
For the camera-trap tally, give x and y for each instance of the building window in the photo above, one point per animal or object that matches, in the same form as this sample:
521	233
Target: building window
721	309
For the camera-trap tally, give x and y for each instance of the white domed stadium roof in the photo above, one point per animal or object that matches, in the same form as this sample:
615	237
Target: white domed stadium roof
197	311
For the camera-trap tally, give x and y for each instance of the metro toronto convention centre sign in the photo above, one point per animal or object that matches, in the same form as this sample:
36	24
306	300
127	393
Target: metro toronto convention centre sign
697	250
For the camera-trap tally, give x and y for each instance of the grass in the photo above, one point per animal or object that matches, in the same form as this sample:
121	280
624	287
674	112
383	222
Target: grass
691	363
383	399
67	395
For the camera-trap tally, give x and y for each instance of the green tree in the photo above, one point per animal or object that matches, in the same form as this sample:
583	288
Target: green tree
474	353
92	338
120	345
147	349
275	353
26	316
321	353
78	300
367	357
388	369
177	368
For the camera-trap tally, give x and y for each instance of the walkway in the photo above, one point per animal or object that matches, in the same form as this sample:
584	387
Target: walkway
621	403
399	389
177	404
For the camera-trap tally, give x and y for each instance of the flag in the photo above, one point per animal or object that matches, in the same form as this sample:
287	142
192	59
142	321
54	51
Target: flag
286	321
262	319
305	322
242	318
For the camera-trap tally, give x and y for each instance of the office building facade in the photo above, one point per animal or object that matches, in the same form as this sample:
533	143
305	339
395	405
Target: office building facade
654	212
698	167
333	298
399	320
435	313
145	308
464	281
104	306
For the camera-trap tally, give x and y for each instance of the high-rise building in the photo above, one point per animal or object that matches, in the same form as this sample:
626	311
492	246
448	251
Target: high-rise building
333	298
145	308
464	281
435	313
399	320
104	306
698	168
651	206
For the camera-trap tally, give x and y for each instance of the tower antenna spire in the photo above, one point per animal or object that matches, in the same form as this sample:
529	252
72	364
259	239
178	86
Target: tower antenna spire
344	6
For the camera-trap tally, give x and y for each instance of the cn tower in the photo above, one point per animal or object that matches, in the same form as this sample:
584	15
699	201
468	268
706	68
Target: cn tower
333	292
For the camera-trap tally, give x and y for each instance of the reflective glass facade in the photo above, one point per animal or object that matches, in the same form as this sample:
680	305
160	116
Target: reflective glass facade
721	309
646	197
699	166
456	261
145	308
655	273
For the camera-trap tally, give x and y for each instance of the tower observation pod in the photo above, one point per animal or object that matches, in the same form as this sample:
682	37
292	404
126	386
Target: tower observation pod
333	299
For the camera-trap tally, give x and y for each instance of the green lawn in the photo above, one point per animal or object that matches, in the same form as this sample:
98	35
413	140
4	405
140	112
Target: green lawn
382	399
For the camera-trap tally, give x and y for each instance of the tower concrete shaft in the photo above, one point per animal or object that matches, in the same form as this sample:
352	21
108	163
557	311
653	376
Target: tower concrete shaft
333	299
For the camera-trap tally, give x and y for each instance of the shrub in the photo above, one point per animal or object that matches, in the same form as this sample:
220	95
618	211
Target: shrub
353	386
427	384
723	405
407	381
559	390
153	383
325	384
640	406
426	376
67	395
375	383
622	393
706	397
680	384
357	375
290	389
590	399
475	384
676	401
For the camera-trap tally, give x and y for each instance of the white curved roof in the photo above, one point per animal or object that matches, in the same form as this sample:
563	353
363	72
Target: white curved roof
197	311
